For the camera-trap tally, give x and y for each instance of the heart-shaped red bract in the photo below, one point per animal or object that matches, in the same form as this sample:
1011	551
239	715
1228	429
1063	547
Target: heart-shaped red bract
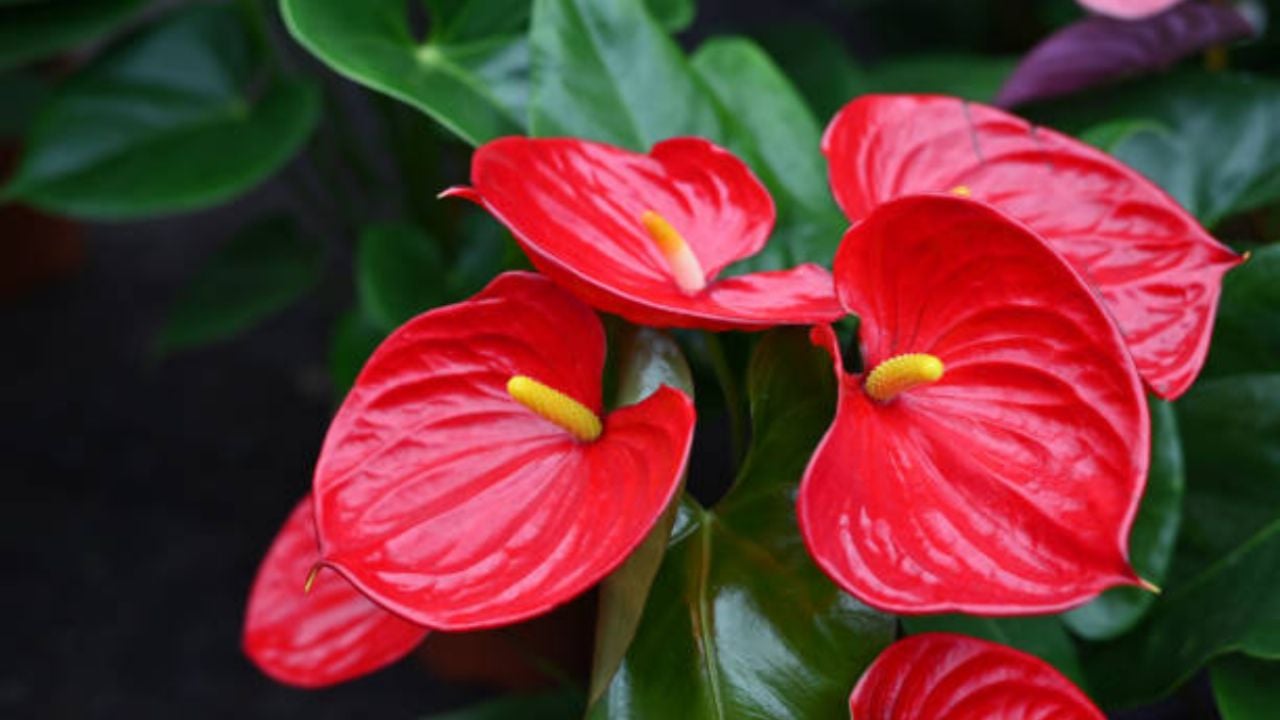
939	675
322	637
454	505
1157	270
1009	485
1128	9
576	206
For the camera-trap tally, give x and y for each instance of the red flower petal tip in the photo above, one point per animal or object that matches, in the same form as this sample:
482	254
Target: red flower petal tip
1158	271
940	675
644	236
470	479
992	457
308	627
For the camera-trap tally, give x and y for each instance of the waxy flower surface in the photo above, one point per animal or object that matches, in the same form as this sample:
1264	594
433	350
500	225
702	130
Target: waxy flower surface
1128	9
470	478
644	236
308	627
1158	272
939	675
992	457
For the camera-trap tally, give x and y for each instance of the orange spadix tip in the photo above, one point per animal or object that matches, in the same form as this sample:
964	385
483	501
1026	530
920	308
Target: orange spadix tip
684	265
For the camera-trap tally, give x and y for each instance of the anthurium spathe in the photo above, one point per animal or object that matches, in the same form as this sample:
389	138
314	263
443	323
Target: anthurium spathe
309	627
644	236
941	675
1128	9
470	478
991	458
1158	272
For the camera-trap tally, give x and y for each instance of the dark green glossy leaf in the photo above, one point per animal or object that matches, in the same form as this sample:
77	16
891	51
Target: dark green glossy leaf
1151	542
1246	336
771	127
257	273
354	339
1226	127
674	15
178	118
563	705
649	359
1226	573
1160	155
739	622
606	70
399	273
1246	688
1044	636
818	64
23	95
473	83
33	31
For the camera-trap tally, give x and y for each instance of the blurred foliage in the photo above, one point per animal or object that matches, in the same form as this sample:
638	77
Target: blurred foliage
129	110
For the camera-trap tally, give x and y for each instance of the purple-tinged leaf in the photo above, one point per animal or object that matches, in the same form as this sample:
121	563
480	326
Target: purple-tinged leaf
1099	50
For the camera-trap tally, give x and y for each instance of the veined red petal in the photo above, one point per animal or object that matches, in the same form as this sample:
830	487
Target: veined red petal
1009	485
576	207
940	675
449	502
322	637
1128	9
1157	270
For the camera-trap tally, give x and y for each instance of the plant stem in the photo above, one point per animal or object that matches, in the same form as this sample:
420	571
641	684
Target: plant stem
729	390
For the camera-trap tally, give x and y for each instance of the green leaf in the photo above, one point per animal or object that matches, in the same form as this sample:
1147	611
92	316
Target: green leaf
562	705
257	273
606	70
354	339
23	95
1042	636
772	128
1246	688
1151	542
817	63
1226	573
1160	155
739	622
178	118
674	15
973	77
399	273
650	359
1246	336
471	81
1226	127
33	31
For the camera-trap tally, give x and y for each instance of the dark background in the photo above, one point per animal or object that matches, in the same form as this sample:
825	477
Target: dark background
142	491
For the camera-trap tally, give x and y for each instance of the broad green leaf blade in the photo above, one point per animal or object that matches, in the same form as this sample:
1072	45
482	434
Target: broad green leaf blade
24	94
33	31
173	120
1152	539
740	623
673	15
771	127
1246	336
1226	573
457	21
473	84
1042	636
649	359
1246	688
399	274
257	273
548	706
606	70
1227	126
818	64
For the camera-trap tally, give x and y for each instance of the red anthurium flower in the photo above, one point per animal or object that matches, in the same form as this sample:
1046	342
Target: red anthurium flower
1128	9
1157	270
469	479
312	629
940	675
644	236
992	458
